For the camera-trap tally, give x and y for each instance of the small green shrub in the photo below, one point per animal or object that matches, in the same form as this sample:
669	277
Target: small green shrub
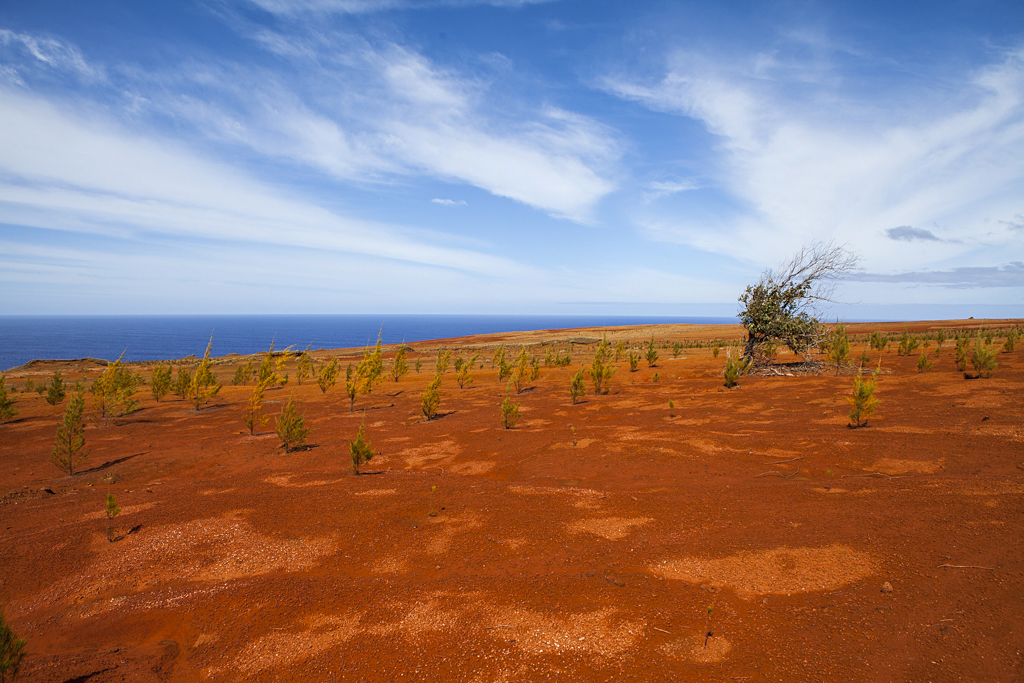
509	413
652	354
254	416
11	647
69	445
577	387
291	427
656	377
327	375
600	371
962	344
444	359
983	359
908	344
714	350
304	368
56	392
400	366
114	391
462	375
112	511
204	385
878	341
360	450
634	361
7	410
923	364
243	373
419	365
1012	337
183	382
864	357
735	367
863	401
838	345
160	381
430	399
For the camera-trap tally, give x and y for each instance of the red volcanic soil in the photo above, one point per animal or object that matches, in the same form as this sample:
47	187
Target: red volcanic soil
593	542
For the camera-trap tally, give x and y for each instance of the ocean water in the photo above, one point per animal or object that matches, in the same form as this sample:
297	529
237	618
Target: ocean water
23	338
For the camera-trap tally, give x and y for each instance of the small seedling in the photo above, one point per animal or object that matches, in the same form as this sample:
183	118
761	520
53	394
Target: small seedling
656	378
112	511
509	412
573	430
923	364
578	387
360	450
671	407
291	427
431	398
707	625
69	445
55	392
652	354
863	401
432	512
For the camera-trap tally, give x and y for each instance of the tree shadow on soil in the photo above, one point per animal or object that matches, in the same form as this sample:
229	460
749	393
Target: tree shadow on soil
108	464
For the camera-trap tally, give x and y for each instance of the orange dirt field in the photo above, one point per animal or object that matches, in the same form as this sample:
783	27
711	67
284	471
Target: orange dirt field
600	541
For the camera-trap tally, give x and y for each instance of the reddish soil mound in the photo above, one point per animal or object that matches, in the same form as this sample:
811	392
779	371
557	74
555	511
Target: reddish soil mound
588	543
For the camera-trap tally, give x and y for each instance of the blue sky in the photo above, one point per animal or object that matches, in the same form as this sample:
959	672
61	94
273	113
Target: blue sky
407	156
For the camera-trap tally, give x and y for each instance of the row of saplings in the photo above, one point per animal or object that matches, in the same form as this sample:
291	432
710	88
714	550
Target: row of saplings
114	391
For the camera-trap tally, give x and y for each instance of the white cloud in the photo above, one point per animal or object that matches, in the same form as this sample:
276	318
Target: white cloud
50	52
449	202
800	169
659	189
65	172
368	115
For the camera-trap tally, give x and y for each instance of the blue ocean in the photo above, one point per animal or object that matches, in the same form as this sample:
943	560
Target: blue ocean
23	338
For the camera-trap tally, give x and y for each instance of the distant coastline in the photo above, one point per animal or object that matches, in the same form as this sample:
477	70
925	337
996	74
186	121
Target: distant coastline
25	338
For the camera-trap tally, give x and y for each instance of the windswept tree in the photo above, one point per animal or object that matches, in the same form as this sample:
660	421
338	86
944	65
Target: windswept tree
785	304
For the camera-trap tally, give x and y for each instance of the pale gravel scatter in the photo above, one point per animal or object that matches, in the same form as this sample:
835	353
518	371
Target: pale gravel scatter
377	492
212	549
779	571
389	565
611	528
286	648
285	480
596	633
439	453
692	647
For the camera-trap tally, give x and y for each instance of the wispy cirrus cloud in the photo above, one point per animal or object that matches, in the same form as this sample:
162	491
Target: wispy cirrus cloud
115	183
362	112
48	52
449	202
800	159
